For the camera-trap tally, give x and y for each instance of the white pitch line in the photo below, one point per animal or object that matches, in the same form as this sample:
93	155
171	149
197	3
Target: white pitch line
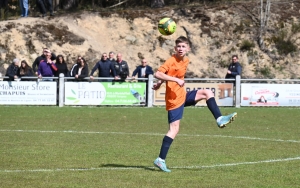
242	163
141	167
153	134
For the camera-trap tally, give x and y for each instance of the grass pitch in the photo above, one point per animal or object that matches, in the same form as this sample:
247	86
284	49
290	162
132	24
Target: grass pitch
115	147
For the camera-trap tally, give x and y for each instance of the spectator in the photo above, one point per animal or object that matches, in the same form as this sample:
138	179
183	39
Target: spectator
121	67
105	68
44	5
4	6
61	66
13	70
81	70
47	68
234	69
143	70
24	7
111	57
37	61
71	72
157	3
25	70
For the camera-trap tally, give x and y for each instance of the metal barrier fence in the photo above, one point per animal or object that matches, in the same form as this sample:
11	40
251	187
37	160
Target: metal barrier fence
237	89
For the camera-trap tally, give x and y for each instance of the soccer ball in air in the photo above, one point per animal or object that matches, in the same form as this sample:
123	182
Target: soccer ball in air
166	26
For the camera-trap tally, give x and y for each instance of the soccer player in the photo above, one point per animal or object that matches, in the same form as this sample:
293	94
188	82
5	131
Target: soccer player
173	71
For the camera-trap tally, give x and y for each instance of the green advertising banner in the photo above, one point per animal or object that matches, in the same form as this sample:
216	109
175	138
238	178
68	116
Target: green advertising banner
105	93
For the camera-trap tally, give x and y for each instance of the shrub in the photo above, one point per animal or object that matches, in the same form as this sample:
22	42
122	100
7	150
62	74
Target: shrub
239	28
218	44
265	71
223	63
295	28
246	45
285	47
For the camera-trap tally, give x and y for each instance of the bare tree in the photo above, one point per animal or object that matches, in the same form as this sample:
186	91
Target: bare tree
264	17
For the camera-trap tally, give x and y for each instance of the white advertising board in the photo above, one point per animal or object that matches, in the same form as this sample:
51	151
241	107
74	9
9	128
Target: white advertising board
270	95
28	93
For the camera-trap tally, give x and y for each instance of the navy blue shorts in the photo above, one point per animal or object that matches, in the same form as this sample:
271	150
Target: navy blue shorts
176	114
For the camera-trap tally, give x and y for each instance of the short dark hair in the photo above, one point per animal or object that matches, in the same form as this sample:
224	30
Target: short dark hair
182	39
236	56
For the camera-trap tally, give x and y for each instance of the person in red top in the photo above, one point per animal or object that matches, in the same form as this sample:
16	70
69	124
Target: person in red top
172	72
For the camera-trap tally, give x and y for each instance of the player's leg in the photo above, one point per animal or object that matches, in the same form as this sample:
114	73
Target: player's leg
208	95
174	117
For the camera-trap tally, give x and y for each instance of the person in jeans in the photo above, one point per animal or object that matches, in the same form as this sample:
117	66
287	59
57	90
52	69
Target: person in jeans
24	7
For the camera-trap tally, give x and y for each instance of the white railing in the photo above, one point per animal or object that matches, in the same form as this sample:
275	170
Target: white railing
151	80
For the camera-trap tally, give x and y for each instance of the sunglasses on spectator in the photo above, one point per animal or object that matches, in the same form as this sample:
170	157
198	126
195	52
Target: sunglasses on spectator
234	59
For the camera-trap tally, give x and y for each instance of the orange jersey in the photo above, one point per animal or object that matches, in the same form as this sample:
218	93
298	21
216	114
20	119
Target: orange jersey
175	95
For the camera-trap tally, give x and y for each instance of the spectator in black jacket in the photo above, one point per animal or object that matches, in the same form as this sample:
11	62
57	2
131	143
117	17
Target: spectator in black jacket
37	61
61	66
105	68
234	69
13	70
71	72
121	67
81	70
25	70
111	57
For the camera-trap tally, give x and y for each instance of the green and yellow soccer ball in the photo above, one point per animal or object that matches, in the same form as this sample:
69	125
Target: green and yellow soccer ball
166	26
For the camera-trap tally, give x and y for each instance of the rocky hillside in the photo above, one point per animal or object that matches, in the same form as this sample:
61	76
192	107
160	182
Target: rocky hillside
216	33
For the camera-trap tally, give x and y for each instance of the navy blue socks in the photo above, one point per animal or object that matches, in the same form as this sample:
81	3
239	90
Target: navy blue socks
213	107
167	141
